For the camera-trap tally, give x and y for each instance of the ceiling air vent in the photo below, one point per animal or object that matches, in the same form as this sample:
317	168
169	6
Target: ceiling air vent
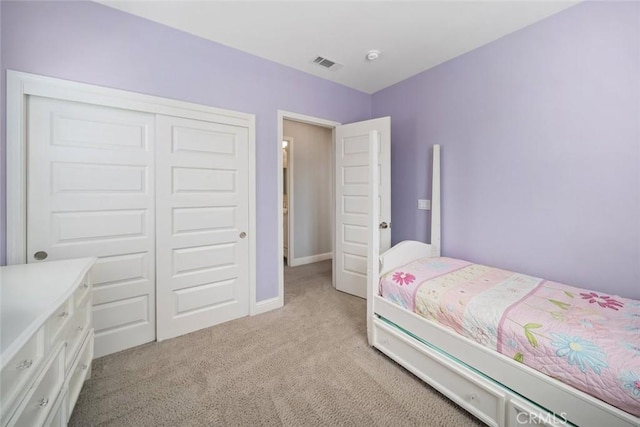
327	63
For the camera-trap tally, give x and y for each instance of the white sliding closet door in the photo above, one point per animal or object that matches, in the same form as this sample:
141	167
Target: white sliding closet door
91	193
202	221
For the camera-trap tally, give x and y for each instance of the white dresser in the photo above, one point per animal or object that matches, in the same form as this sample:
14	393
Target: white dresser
46	338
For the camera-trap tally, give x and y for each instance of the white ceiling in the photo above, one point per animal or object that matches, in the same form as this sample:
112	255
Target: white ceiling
412	35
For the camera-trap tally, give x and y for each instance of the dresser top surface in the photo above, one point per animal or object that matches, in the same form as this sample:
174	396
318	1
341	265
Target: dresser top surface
30	293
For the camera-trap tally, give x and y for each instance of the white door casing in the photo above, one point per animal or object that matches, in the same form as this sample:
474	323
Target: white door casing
91	193
288	211
351	196
202	224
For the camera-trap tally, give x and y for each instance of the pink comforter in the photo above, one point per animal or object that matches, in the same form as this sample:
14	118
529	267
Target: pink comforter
586	339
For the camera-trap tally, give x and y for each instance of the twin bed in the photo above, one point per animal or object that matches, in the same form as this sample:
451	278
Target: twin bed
512	349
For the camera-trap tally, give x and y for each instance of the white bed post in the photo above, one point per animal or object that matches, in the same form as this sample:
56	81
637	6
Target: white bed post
435	203
373	248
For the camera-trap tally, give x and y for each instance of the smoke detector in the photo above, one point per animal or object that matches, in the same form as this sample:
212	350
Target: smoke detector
372	55
326	63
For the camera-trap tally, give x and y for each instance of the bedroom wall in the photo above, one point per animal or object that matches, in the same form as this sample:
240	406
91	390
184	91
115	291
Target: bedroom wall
540	135
91	43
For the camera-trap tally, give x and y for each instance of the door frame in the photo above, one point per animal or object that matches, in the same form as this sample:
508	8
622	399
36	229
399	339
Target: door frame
302	118
20	85
289	173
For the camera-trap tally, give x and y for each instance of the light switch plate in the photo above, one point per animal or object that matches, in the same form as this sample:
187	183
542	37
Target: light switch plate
424	205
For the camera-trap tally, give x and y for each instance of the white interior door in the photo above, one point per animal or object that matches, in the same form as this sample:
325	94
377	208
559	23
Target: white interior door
352	179
203	218
91	193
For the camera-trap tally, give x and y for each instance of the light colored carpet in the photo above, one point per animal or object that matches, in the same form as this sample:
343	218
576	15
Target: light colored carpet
307	364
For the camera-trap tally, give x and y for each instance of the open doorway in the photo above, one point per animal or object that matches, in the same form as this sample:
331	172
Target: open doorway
348	205
306	193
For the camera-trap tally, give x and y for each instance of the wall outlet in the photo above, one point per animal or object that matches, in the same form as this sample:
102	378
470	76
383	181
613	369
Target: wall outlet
424	205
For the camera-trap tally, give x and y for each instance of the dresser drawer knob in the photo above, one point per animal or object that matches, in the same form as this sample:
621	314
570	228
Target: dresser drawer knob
85	285
44	402
473	396
25	364
84	367
63	315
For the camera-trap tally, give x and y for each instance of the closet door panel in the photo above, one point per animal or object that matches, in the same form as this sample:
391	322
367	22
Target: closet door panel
202	220
91	193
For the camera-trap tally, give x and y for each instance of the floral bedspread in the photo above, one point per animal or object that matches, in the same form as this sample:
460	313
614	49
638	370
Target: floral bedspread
586	339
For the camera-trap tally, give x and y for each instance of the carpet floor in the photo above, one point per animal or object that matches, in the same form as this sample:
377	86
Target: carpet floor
306	364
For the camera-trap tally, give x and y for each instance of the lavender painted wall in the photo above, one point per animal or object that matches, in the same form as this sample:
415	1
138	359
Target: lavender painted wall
88	42
540	130
541	149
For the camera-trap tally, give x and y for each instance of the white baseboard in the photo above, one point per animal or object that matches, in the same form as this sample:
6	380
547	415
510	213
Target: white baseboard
267	305
295	262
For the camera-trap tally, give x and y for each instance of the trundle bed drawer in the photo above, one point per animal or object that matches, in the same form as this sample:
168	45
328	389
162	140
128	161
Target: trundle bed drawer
475	393
524	414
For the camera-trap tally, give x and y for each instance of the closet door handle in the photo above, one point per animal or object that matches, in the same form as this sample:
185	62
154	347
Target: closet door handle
384	225
243	235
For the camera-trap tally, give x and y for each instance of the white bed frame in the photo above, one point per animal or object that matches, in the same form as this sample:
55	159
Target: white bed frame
494	388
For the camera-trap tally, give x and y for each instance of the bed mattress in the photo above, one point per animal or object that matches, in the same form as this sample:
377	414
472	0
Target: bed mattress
586	339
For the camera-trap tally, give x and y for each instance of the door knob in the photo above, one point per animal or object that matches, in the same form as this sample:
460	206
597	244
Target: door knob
243	235
384	225
40	255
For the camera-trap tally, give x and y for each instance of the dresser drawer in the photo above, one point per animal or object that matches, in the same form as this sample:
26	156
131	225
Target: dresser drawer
46	313
19	372
55	325
77	331
58	415
80	372
83	291
38	403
